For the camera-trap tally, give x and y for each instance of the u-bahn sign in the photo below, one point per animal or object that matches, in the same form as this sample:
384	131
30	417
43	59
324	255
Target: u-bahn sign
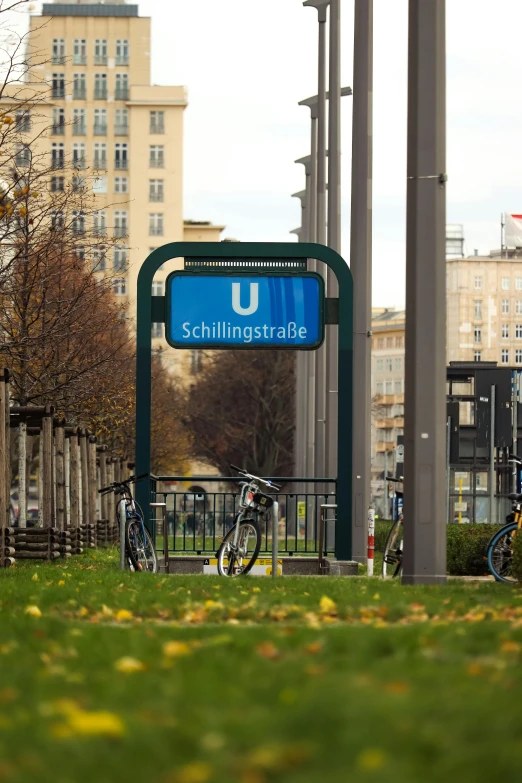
248	295
244	310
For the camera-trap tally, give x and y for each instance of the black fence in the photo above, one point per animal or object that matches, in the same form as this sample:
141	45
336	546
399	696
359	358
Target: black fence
199	517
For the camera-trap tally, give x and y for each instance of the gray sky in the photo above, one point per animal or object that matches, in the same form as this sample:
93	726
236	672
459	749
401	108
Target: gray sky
246	65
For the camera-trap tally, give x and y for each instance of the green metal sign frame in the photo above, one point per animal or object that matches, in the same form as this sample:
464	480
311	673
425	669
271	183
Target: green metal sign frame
251	251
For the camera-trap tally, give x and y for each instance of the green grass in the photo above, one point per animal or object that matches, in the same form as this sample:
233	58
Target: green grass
384	683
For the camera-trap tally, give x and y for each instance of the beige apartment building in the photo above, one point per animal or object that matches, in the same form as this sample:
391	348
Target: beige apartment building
92	67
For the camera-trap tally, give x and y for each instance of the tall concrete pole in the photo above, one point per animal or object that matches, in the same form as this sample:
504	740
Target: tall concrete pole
361	268
301	369
425	404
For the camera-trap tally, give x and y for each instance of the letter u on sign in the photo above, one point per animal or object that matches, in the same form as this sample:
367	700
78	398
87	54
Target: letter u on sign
236	299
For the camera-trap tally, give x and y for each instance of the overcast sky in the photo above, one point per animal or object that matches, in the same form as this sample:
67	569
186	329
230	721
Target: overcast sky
246	64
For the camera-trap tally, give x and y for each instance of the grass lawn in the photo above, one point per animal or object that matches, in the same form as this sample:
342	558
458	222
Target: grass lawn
111	677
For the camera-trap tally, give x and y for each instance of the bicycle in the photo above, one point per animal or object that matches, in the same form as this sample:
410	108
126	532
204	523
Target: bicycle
499	551
233	555
393	550
140	551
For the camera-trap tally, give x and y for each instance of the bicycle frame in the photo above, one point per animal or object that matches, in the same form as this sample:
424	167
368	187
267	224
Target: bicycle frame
126	509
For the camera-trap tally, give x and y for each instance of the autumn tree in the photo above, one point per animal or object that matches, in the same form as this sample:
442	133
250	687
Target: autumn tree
241	409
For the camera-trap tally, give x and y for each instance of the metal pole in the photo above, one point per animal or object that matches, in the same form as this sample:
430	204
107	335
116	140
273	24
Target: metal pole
425	403
301	370
361	268
275	533
122	511
492	515
448	469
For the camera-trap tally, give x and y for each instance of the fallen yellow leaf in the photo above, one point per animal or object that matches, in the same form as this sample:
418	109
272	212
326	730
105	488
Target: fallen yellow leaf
128	665
196	772
123	614
327	606
268	650
33	611
371	758
510	647
85	723
176	649
34	578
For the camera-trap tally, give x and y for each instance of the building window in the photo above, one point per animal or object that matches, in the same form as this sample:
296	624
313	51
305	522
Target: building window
58	85
100	223
477	356
518	331
518	283
518	307
99	259
398	387
100	51
121	185
505	307
505	283
80	51
100	155
57	184
100	122
399	342
398	363
478	334
196	361
80	253
79	86
389	387
121	156
57	220
478	308
58	122
119	286
156	157
478	283
79	156
78	223
158	288
379	387
99	184
155	190
389	365
78	183
380	343
79	122
505	331
157	122
100	87
121	228
518	356
157	331
505	356
58	51
23	156
120	258
379	365
122	51
23	121
156	224
121	127
57	155
389	342
122	87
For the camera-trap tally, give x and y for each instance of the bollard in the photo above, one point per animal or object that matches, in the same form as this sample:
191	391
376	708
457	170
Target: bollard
275	533
371	538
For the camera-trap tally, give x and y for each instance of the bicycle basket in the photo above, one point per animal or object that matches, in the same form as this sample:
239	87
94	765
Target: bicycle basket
264	501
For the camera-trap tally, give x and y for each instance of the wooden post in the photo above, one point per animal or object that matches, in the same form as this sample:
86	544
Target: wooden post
53	479
67	460
5	496
75	479
47	463
84	462
22	485
102	451
93	496
59	441
40	479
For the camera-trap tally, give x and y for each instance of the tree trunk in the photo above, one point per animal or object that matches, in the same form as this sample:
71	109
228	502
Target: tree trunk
59	438
22	487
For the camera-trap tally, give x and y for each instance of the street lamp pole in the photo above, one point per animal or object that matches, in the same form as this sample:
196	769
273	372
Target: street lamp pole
361	269
425	404
301	365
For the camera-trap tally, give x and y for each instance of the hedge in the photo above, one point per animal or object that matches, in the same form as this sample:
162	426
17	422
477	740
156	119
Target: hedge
466	547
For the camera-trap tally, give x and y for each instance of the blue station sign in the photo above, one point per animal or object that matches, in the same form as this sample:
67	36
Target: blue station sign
212	310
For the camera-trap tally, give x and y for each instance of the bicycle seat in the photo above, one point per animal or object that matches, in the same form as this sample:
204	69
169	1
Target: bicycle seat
515	496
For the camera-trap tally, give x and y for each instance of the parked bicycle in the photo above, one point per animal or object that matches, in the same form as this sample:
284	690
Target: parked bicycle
140	551
393	551
240	546
500	548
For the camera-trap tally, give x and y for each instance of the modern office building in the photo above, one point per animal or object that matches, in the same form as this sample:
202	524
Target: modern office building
91	66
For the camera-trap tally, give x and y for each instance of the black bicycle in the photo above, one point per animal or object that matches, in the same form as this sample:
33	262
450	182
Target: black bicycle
140	551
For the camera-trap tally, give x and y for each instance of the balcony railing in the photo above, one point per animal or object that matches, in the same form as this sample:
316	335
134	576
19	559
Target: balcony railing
79	163
100	163
59	130
79	94
56	163
100	94
100	59
156	197
121	130
157	127
78	228
121	94
156	231
79	59
121	164
99	231
24	160
58	92
122	59
120	232
79	129
58	59
100	130
157	163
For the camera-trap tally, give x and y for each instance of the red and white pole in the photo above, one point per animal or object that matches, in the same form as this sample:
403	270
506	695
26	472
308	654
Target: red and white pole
371	538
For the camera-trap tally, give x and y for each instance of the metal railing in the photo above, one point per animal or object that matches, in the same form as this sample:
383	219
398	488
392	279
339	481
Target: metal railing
100	129
79	94
121	130
100	94
121	94
122	59
79	129
122	164
197	521
79	59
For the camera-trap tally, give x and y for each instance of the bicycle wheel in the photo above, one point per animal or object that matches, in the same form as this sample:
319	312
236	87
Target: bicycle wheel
500	553
238	560
140	548
392	557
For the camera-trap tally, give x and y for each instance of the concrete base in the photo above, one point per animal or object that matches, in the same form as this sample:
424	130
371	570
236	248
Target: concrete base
292	566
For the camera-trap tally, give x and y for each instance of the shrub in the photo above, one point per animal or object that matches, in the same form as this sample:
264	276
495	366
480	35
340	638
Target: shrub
466	547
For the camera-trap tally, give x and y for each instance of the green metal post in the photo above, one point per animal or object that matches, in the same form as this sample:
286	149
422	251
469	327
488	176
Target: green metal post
253	251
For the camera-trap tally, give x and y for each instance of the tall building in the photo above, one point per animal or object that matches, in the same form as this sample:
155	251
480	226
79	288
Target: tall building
93	60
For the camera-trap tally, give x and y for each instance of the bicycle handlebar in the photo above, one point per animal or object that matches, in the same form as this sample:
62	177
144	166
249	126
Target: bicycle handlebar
116	484
396	480
256	478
